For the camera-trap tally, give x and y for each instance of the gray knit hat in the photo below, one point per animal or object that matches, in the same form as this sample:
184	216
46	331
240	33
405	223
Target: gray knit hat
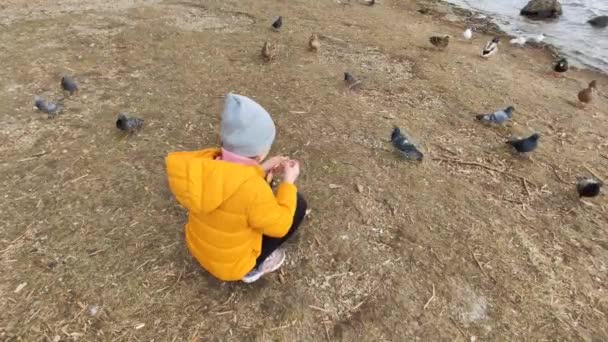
247	128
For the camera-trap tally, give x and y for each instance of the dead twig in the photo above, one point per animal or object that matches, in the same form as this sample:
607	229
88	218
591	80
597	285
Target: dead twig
33	156
430	299
465	335
558	176
592	172
526	187
478	263
319	309
462	162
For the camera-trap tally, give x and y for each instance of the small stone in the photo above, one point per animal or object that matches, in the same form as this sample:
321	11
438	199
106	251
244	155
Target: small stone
334	186
359	188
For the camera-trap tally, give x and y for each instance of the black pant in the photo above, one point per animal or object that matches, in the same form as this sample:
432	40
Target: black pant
270	244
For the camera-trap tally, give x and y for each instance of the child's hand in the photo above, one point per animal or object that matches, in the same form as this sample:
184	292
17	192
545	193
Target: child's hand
273	162
291	171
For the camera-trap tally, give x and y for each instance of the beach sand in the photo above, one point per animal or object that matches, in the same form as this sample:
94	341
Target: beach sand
471	244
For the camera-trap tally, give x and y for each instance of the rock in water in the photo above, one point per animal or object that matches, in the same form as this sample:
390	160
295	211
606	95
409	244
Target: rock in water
599	22
542	9
128	123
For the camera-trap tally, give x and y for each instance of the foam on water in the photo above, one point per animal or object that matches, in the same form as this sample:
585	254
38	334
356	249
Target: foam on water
571	34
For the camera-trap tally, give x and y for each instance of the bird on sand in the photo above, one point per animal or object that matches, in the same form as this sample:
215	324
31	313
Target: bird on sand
521	41
267	52
68	84
468	33
351	81
560	66
599	22
588	186
525	145
277	24
48	107
491	48
313	43
370	2
585	96
128	123
440	42
498	117
404	146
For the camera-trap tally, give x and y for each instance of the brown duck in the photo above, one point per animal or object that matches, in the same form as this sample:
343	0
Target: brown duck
586	95
314	43
267	52
440	42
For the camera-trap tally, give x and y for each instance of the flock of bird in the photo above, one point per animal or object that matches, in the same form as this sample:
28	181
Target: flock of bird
124	122
586	186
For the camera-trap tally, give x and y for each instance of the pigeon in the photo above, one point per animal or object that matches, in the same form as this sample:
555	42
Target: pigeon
599	22
525	145
128	123
48	107
313	43
468	33
498	117
561	65
585	96
68	84
539	39
276	25
588	187
267	52
440	42
404	146
351	81
521	41
491	48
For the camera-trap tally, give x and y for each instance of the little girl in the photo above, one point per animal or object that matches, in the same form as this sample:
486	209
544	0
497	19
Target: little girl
236	223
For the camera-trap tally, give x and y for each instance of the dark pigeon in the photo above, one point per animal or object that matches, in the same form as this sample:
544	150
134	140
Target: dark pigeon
68	84
599	22
48	107
128	123
561	65
588	187
404	146
277	23
525	145
498	117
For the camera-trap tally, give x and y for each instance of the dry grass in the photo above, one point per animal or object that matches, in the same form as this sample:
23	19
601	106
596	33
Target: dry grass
472	242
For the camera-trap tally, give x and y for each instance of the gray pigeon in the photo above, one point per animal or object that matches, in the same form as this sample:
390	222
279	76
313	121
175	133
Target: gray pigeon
48	107
68	84
277	24
525	145
404	146
498	117
128	123
588	187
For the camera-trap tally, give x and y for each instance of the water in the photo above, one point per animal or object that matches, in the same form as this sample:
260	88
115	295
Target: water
571	34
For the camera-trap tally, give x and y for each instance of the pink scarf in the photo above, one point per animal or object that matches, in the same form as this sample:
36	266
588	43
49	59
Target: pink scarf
235	158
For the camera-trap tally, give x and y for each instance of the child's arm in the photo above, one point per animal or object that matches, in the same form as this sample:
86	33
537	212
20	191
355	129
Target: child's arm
273	215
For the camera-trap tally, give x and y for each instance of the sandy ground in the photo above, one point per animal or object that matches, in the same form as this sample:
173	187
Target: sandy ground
471	244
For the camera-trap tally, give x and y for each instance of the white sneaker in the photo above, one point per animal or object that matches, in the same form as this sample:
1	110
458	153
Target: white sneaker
272	263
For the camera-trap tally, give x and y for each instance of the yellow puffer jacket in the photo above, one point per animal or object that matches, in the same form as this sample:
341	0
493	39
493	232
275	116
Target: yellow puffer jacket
230	207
